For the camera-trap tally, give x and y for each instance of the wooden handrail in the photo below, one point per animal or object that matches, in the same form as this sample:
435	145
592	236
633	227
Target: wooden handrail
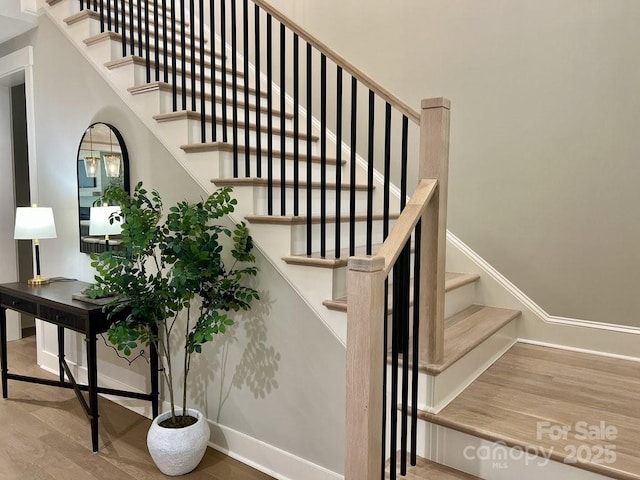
367	81
406	223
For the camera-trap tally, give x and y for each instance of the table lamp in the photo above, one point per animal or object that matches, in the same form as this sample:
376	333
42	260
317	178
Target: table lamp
105	221
35	223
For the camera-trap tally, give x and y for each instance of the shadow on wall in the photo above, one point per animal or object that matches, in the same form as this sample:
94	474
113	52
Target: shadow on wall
256	367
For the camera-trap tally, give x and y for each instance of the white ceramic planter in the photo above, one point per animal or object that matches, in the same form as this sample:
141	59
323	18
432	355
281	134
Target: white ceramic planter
177	451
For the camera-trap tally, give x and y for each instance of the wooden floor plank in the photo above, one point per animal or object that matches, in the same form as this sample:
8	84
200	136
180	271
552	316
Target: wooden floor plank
46	436
426	469
532	384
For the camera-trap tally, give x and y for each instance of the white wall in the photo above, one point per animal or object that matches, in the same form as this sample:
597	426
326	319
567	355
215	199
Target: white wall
288	370
544	141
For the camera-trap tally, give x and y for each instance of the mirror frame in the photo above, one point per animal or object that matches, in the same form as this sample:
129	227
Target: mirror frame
125	165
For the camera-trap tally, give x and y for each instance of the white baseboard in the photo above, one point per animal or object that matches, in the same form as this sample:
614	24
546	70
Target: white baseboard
266	458
249	450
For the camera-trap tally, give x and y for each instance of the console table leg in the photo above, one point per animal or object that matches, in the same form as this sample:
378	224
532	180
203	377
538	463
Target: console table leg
92	367
3	357
61	352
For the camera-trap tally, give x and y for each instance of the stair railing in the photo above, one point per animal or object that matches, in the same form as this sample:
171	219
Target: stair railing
374	342
169	37
312	80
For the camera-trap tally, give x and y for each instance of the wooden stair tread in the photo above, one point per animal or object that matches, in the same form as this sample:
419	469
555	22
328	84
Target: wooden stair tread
255	181
228	147
103	36
191	115
167	87
302	219
142	62
466	330
91	14
452	281
428	470
531	384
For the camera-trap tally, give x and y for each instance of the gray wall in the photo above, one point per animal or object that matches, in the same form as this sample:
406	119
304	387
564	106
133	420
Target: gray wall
283	373
544	147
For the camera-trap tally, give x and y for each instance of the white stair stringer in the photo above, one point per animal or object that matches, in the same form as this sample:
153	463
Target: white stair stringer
312	289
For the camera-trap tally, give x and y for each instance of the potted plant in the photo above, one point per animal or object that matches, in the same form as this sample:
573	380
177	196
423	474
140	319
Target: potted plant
172	279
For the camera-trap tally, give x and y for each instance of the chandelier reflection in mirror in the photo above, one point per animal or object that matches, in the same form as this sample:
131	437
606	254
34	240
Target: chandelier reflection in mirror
112	160
91	163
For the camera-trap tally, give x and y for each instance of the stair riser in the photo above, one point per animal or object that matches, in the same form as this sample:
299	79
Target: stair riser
142	7
435	392
138	76
492	460
299	235
220	165
187	131
262	193
151	18
226	171
164	104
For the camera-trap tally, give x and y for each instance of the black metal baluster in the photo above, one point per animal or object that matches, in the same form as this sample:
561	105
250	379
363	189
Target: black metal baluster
183	56
165	42
101	16
234	85
309	80
416	342
323	155
214	100
109	15
132	44
296	125
257	95
338	158
147	51
247	147
405	259
156	38
174	66
370	157
269	119
404	160
387	170
352	167
223	40
124	28
283	133
192	63
203	98
116	16
140	42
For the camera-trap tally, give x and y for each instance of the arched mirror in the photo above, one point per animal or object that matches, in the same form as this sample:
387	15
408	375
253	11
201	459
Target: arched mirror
102	161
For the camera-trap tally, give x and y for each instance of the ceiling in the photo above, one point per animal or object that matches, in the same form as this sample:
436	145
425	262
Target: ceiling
13	21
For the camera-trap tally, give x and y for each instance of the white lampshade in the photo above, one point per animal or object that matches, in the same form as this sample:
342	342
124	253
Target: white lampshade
34	223
99	223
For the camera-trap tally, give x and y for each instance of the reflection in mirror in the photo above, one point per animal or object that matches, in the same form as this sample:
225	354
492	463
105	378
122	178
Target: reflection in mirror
102	161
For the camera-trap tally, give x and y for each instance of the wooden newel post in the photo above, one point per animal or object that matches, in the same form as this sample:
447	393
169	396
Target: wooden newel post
434	164
365	365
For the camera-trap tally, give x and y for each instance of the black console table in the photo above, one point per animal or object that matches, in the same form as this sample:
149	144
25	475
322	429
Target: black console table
54	304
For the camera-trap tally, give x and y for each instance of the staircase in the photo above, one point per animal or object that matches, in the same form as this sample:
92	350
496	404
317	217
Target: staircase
314	185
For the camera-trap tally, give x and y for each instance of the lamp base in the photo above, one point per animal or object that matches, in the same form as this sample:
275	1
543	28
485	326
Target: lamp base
38	280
